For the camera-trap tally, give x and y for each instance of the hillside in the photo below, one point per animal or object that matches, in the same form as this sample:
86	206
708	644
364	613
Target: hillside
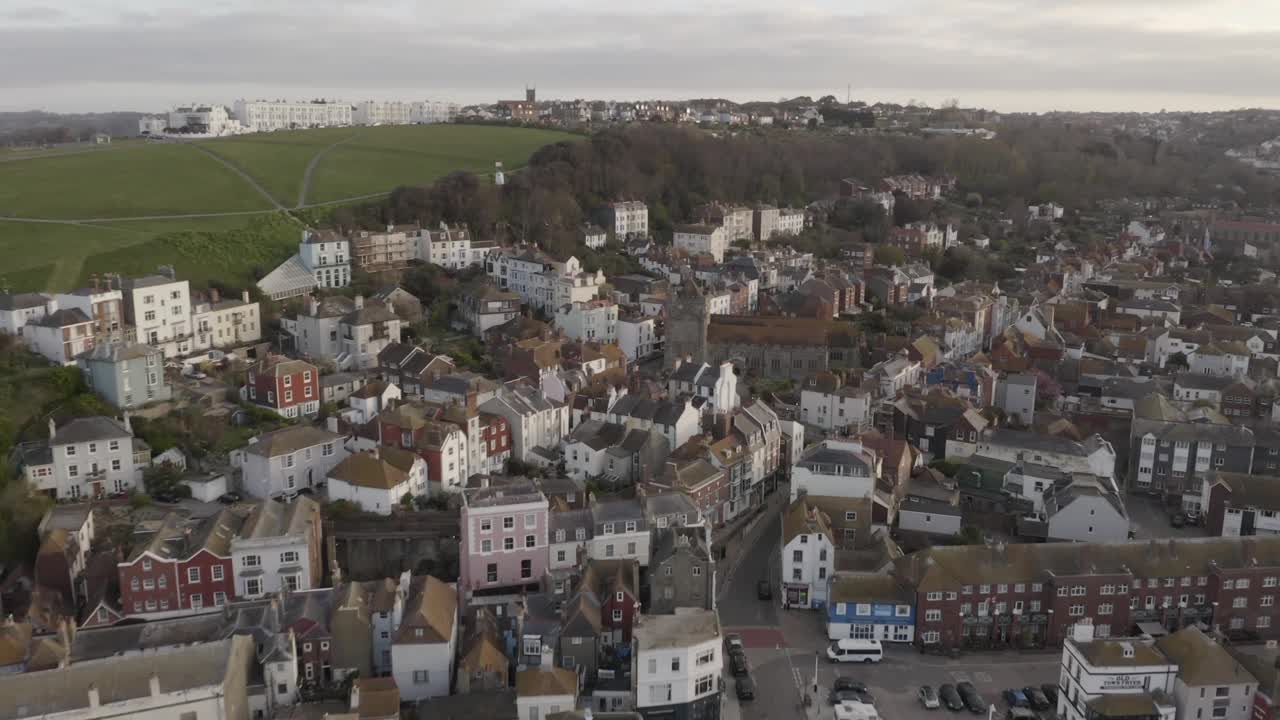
218	209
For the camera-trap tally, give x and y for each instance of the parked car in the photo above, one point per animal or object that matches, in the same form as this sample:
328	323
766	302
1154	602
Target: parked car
928	697
843	696
764	590
1192	516
746	688
732	641
950	697
1020	713
972	700
1178	520
230	498
844	682
1016	698
1037	698
1051	692
738	663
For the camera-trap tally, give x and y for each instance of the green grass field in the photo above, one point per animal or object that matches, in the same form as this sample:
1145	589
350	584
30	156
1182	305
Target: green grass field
61	257
154	180
114	187
278	160
382	158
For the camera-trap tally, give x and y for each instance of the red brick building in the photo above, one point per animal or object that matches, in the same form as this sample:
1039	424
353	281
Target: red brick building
613	586
1030	595
496	436
288	387
181	568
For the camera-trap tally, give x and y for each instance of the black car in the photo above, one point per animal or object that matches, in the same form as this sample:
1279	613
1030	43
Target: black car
746	688
1178	520
848	683
950	697
230	498
972	700
1050	692
738	663
839	696
764	590
1037	698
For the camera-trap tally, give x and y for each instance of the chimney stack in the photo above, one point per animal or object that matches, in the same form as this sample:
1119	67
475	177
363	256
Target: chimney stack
53	428
313	305
244	296
215	296
94	699
355	695
155	685
359	302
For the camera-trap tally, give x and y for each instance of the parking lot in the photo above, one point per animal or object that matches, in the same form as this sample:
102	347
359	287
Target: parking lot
782	661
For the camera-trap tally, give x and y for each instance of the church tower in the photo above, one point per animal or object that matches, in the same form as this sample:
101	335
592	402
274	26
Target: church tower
687	321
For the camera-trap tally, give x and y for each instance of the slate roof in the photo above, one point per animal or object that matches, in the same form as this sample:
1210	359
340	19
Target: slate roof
597	435
89	429
290	439
117	351
120	679
1248	491
274	519
945	568
21	301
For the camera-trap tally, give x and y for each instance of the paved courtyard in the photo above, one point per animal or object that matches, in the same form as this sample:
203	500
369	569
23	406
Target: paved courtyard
1149	518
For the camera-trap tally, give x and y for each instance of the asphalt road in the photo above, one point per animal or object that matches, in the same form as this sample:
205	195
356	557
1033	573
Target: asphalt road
739	606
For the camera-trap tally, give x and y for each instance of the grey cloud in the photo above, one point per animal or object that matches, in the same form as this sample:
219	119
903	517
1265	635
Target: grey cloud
996	45
34	13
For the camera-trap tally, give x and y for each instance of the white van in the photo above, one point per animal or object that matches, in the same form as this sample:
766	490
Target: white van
866	651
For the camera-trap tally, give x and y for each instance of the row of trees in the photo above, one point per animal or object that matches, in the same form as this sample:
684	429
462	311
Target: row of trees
676	169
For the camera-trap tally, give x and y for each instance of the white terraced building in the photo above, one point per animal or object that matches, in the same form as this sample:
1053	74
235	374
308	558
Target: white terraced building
381	112
268	115
432	111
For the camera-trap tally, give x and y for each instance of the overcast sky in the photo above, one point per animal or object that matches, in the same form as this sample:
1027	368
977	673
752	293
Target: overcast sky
1008	54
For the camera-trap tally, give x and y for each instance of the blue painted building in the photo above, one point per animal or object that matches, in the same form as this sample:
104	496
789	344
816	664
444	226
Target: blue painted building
974	381
870	607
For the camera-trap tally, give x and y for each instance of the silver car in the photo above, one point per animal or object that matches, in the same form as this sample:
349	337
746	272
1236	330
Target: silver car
929	697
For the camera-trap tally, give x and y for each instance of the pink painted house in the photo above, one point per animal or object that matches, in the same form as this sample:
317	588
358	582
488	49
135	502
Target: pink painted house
504	539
